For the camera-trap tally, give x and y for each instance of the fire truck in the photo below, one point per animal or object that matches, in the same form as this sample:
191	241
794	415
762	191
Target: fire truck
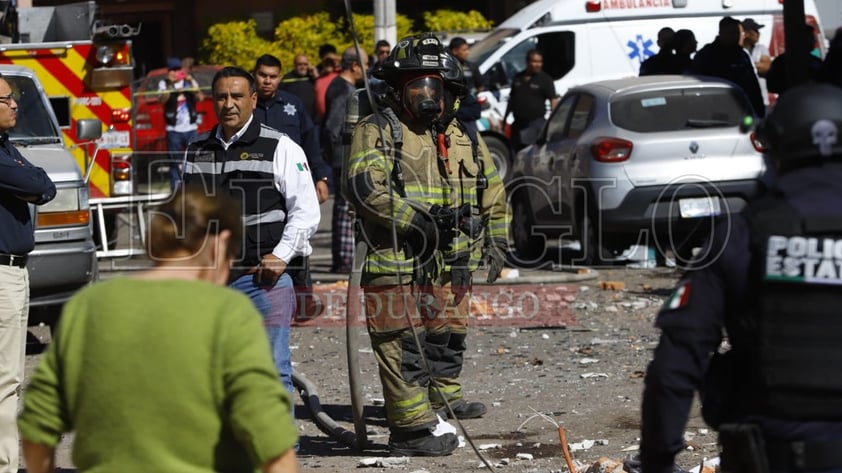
86	68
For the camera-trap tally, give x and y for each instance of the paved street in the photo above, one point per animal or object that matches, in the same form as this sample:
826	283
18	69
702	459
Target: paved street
511	366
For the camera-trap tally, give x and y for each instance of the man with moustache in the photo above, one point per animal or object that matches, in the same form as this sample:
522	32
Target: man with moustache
268	171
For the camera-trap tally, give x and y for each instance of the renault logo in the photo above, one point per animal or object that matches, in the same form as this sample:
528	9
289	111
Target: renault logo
694	147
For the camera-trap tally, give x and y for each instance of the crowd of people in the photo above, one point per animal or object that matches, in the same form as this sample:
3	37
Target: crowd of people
737	54
215	392
415	182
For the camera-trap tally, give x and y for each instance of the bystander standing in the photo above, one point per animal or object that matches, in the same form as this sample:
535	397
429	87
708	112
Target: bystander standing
267	171
179	92
340	90
759	54
459	49
301	81
725	58
532	88
21	183
664	61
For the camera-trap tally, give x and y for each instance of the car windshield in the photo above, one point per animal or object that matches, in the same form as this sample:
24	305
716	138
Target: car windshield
34	122
679	109
485	47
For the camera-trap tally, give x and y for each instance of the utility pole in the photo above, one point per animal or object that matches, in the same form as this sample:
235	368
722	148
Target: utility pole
385	23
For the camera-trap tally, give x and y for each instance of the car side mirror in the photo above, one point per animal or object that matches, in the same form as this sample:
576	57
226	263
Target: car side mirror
88	129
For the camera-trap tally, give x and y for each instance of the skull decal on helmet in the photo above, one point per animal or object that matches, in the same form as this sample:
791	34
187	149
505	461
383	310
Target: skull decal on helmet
824	134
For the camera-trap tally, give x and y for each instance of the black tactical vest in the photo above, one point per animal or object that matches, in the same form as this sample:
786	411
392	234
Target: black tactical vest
788	344
244	171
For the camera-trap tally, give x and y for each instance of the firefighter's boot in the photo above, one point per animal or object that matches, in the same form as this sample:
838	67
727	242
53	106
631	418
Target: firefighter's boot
422	443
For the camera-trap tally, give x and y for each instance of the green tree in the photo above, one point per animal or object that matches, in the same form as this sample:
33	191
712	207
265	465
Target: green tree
237	42
450	20
303	35
234	43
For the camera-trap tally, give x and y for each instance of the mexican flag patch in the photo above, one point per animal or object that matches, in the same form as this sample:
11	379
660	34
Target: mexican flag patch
302	167
680	296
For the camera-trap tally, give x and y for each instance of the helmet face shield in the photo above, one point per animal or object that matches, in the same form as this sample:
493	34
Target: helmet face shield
422	96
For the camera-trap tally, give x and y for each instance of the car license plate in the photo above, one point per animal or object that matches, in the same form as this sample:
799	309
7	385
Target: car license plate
701	207
114	139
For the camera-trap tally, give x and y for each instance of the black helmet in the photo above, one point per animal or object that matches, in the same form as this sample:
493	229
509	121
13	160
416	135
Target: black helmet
413	53
453	76
804	125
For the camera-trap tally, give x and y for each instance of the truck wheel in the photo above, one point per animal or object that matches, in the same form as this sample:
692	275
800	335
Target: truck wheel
529	247
499	154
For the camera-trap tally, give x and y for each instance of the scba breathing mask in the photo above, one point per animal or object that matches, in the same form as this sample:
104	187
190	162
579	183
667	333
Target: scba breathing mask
422	97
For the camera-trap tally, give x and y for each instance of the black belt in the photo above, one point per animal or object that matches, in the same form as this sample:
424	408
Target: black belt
806	455
13	260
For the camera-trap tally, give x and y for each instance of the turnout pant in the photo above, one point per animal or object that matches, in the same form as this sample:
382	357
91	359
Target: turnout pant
389	312
446	326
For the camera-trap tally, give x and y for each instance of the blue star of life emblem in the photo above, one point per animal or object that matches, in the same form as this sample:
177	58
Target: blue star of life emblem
639	48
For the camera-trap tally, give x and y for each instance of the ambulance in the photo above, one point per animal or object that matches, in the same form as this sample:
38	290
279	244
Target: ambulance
589	40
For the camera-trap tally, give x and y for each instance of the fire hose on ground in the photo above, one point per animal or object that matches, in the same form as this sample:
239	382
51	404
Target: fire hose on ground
329	426
357	439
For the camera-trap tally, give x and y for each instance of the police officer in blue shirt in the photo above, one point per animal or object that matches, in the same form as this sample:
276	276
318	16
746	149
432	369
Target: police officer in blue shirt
285	112
770	282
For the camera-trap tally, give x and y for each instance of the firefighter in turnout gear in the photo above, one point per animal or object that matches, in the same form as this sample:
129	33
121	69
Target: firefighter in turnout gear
769	280
405	173
477	183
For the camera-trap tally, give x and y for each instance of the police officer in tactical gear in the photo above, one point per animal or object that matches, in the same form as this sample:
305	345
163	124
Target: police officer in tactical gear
405	173
768	280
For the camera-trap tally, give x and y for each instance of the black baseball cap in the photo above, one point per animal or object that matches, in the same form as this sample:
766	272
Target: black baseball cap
752	25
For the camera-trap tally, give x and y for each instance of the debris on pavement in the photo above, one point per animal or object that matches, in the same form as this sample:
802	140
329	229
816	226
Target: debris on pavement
489	446
383	462
593	375
583	445
612	285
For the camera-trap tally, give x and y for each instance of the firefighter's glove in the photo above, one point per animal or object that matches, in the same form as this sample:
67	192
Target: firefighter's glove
422	237
446	220
460	279
495	252
469	224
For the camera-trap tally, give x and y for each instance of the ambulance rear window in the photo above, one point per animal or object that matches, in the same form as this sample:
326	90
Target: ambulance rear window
679	109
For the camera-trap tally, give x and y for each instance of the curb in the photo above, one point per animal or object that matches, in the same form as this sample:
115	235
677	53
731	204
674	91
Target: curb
521	276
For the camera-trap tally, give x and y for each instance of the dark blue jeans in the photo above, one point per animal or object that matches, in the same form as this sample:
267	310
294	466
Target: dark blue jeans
277	305
176	144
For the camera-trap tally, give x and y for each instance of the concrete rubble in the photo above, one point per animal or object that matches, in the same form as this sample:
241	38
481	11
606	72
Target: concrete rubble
383	462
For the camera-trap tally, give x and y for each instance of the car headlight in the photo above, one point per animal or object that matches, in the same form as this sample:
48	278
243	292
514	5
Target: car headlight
70	207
